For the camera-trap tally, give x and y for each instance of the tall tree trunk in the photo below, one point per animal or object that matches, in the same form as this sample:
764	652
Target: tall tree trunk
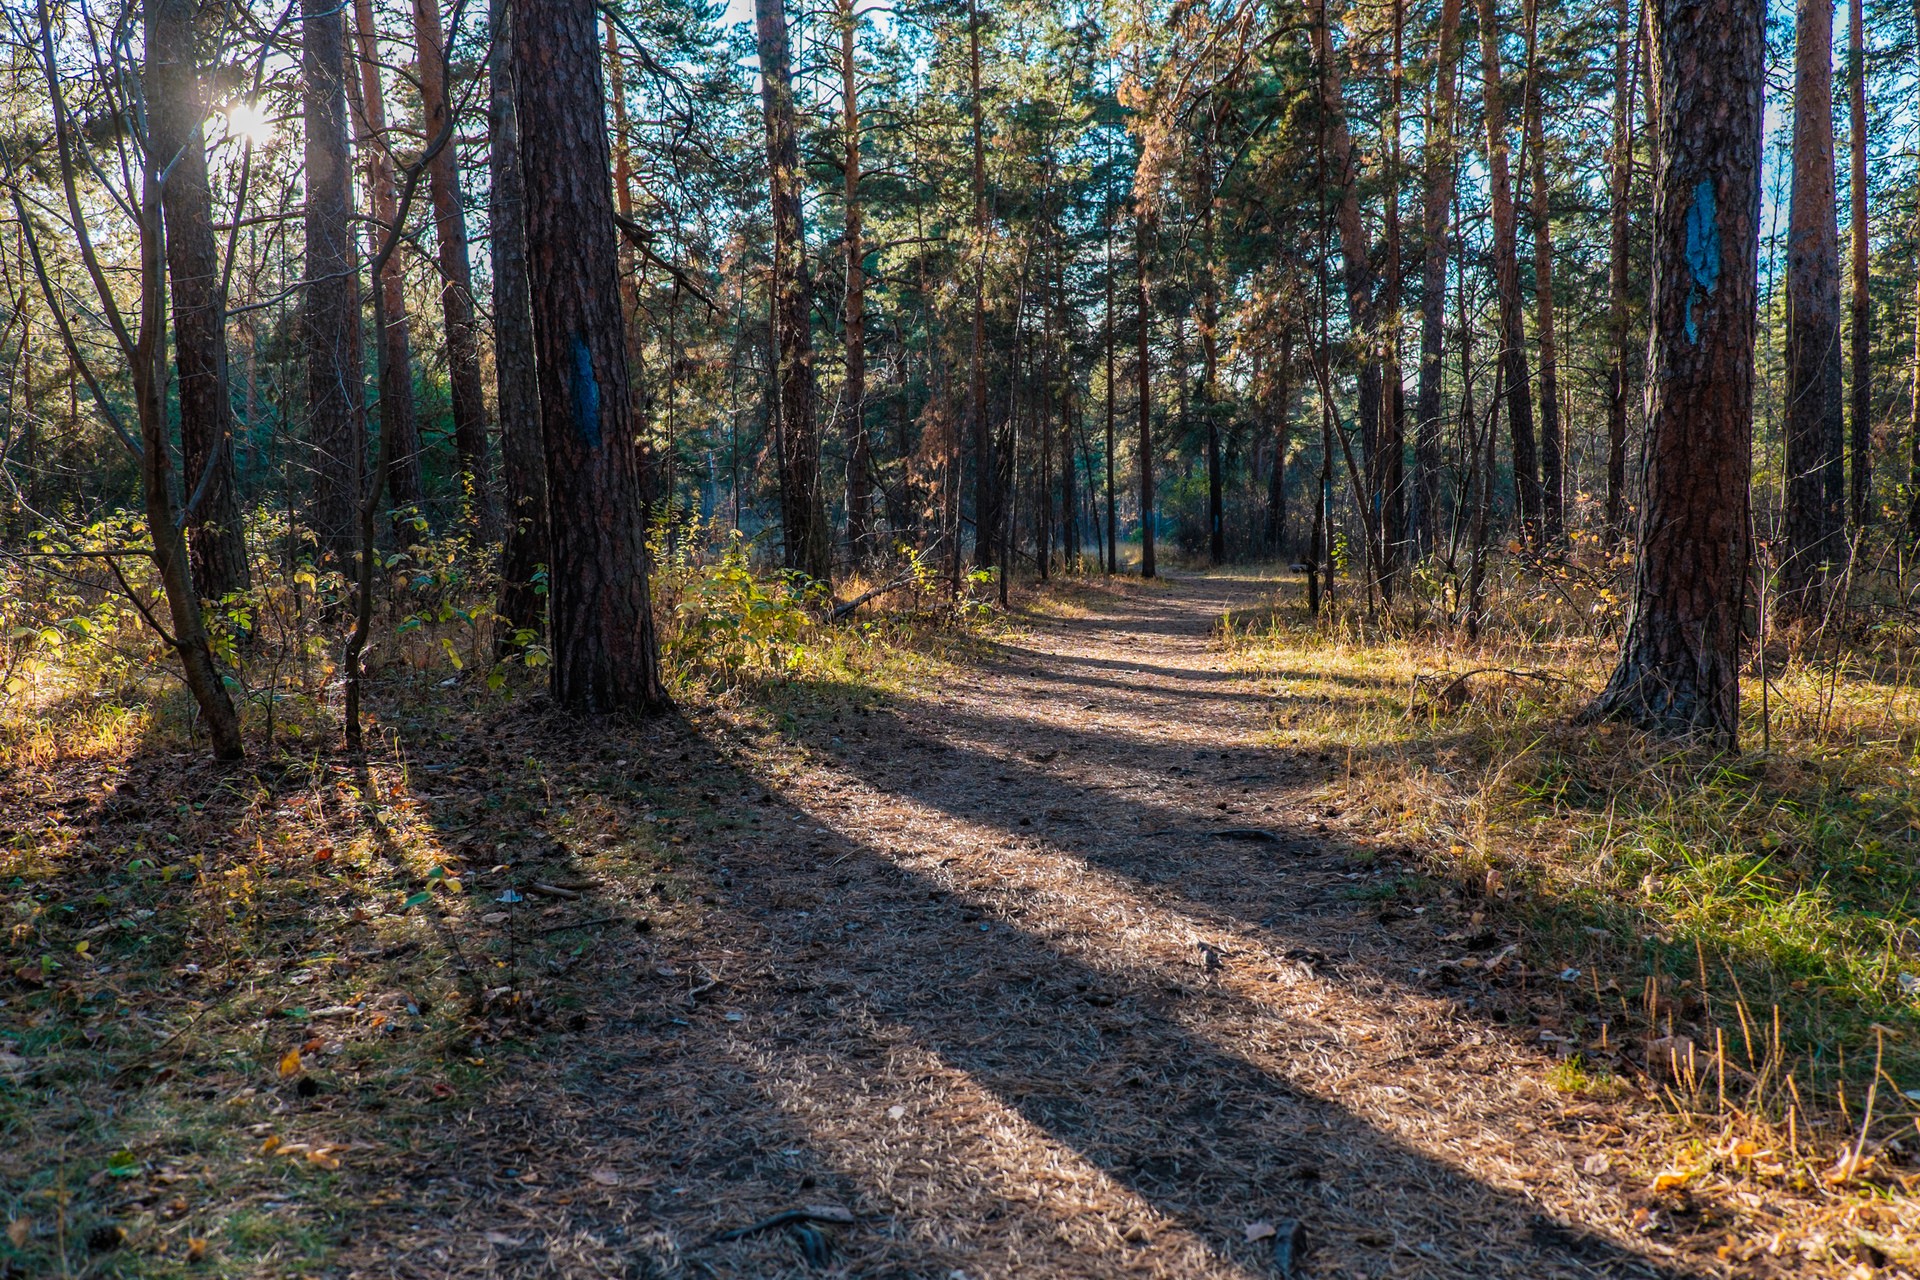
1142	237
1815	429
1679	667
1113	396
456	275
331	318
399	423
651	465
1861	425
1441	170
1506	272
1355	249
175	110
1280	401
983	468
853	407
523	463
1387	461
1626	59
604	653
809	545
1552	485
1210	355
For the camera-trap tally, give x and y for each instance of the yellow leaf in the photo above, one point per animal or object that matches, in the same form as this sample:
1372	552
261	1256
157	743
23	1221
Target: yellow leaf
271	1145
322	1159
1672	1180
453	884
290	1065
82	948
196	1248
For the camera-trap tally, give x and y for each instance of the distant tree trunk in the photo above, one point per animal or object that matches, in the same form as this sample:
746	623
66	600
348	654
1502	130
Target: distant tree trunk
1815	429
1142	237
1620	259
331	318
399	424
175	110
1387	461
809	546
1281	401
983	468
456	275
604	652
1210	354
523	465
1861	443
1913	438
1506	272
651	468
1552	485
1113	395
1679	667
854	402
1441	168
1355	249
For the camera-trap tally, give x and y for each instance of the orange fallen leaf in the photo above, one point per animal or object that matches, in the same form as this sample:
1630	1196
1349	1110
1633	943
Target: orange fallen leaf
324	1159
290	1064
271	1145
196	1248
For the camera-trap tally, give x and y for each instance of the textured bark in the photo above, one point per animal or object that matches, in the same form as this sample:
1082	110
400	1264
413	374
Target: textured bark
853	401
604	651
1679	667
456	276
1552	485
1142	239
650	465
399	423
1506	273
1860	415
1620	260
1815	439
809	545
522	606
176	106
1355	250
1441	175
331	318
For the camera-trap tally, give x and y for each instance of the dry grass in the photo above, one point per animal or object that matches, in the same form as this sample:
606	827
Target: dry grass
921	920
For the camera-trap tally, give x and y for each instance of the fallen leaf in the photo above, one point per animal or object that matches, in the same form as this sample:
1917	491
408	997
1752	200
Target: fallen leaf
1596	1164
605	1177
196	1248
271	1145
322	1158
896	1113
502	1238
1672	1179
19	1230
290	1064
1258	1231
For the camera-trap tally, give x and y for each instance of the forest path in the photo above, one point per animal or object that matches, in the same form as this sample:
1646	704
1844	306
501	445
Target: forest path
988	972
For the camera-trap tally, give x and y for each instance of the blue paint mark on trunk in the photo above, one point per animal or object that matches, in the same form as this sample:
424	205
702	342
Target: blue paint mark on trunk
1703	251
586	395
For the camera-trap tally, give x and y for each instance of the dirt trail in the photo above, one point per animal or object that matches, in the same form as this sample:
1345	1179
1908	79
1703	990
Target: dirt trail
988	972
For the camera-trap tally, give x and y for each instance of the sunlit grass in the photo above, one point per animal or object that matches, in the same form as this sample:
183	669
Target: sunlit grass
1785	875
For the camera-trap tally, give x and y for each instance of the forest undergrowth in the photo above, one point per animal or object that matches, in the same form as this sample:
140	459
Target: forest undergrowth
1741	929
239	1007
